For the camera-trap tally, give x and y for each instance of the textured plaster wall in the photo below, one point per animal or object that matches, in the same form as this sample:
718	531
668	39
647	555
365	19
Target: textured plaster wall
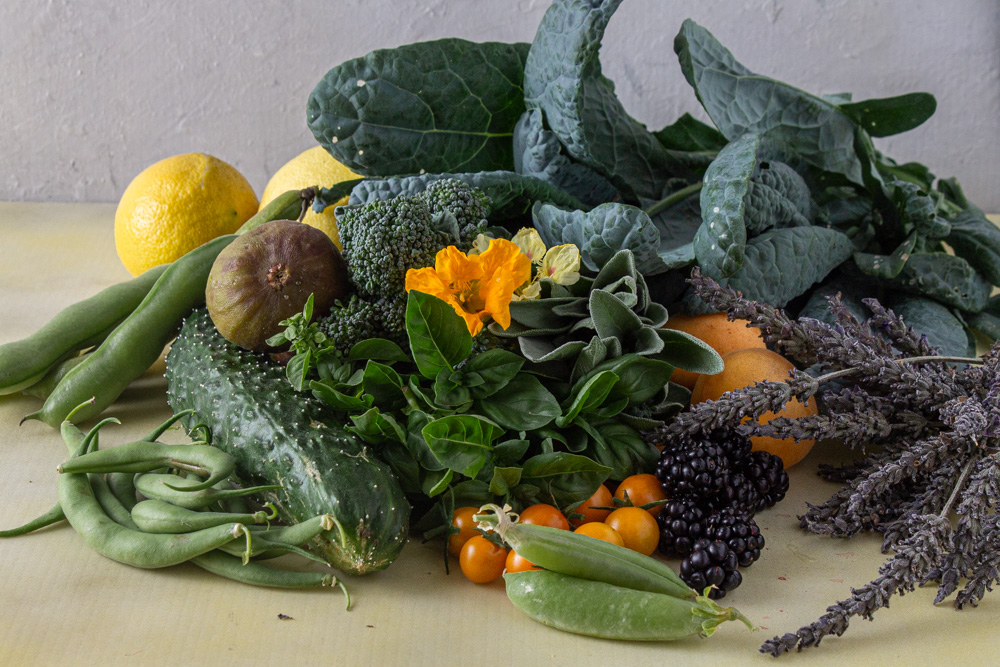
93	91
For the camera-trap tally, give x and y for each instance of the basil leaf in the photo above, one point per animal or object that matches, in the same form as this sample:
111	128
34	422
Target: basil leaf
331	397
564	478
444	105
448	389
510	451
504	479
436	482
461	442
496	368
376	427
377	349
438	337
297	370
417	444
589	397
562	77
524	405
383	383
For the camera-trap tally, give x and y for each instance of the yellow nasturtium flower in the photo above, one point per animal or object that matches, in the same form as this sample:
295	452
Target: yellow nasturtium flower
562	264
478	287
531	244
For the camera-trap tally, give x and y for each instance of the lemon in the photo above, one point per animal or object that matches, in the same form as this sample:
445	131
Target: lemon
309	168
176	205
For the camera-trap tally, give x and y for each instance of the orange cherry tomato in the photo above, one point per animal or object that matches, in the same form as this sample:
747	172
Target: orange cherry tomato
544	515
518	563
637	527
481	560
601	531
462	519
643	488
601	498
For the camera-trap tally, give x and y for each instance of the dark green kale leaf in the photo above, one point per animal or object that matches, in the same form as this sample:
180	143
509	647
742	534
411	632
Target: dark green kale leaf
448	105
977	240
563	78
891	115
688	133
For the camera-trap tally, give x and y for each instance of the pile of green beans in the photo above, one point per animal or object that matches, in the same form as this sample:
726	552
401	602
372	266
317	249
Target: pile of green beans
599	589
98	346
99	495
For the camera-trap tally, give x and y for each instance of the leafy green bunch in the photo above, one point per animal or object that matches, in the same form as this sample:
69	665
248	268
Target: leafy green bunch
782	196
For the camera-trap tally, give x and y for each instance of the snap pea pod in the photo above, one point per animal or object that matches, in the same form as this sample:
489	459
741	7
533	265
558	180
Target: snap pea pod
76	327
583	556
137	342
600	609
141	456
163	486
158	516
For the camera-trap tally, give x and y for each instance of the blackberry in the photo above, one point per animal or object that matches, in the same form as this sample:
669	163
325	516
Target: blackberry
711	563
768	474
738	492
740	533
681	525
694	470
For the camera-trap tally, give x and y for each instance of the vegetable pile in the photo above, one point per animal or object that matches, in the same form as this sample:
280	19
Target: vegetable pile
492	332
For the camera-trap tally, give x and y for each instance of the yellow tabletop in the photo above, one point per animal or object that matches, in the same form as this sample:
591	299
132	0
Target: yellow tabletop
61	603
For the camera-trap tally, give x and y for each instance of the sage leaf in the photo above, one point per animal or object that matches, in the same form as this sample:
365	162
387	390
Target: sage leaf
562	77
439	106
438	337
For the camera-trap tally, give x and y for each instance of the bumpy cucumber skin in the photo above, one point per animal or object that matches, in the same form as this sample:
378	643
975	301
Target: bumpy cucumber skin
279	436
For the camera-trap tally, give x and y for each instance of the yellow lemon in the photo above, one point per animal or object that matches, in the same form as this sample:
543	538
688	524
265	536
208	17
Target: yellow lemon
310	168
176	205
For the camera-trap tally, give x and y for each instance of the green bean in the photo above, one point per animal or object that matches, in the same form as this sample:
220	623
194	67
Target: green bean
158	516
154	435
233	504
599	609
122	484
113	507
262	548
258	574
583	556
54	515
164	487
291	205
138	341
142	456
132	547
76	327
47	384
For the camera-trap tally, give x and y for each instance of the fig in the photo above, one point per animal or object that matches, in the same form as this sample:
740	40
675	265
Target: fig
267	274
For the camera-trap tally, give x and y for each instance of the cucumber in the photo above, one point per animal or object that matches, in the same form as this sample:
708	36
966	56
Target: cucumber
279	436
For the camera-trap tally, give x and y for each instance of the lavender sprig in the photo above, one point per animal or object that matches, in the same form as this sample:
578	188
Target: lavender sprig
928	431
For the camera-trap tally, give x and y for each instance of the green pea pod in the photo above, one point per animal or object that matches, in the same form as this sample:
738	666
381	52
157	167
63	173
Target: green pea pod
142	456
137	342
582	556
76	327
599	609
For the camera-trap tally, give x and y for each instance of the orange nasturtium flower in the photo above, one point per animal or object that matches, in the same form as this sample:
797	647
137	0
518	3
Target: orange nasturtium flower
478	287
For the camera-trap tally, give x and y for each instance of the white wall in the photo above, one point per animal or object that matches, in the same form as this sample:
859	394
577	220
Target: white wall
92	91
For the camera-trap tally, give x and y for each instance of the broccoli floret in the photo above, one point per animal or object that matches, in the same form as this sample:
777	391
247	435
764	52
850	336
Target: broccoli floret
383	240
468	204
359	319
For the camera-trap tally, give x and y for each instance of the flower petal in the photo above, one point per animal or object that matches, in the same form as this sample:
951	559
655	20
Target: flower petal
428	281
530	243
504	256
455	268
562	264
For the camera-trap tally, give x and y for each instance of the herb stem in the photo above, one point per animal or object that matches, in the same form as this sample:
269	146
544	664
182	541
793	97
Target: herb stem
906	360
958	487
673	199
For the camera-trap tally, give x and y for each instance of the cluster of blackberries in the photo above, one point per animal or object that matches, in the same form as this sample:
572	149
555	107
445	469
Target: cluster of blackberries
716	485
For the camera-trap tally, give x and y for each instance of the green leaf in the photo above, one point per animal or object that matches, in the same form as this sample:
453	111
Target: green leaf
436	482
886	266
602	232
510	451
448	389
942	329
685	351
640	378
945	278
690	134
331	397
377	349
439	106
740	102
438	336
562	77
988	320
538	153
383	383
376	427
891	115
504	479
417	444
564	478
612	318
618	446
297	370
496	368
511	194
977	240
588	397
461	442
524	405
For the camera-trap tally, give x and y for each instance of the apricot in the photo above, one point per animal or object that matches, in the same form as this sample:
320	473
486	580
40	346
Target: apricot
742	369
719	333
